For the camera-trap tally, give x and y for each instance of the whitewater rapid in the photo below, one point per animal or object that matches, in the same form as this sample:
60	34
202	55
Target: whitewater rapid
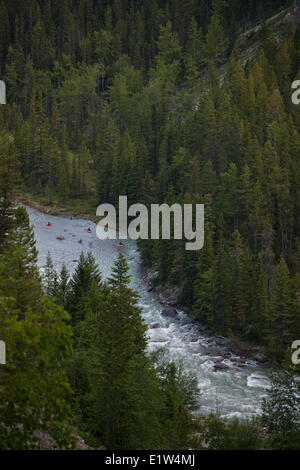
237	392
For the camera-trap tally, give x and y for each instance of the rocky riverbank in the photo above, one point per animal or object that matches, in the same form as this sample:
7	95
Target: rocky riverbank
230	353
240	388
53	209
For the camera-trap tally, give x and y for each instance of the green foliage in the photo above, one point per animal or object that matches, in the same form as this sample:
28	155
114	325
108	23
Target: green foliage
33	384
219	434
9	175
171	374
85	280
281	412
153	100
283	311
123	399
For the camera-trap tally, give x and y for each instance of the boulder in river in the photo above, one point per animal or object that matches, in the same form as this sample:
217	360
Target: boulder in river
202	327
169	312
155	326
220	341
220	366
260	358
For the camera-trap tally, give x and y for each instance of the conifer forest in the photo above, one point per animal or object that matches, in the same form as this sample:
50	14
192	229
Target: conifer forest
186	102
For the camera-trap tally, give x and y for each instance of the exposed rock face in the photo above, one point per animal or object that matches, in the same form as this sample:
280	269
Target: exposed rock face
169	312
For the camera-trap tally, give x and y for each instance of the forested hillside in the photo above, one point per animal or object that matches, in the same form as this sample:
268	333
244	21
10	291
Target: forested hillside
155	100
110	98
85	372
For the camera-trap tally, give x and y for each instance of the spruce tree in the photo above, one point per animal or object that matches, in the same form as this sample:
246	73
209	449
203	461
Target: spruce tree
33	386
281	412
118	365
85	278
281	312
9	178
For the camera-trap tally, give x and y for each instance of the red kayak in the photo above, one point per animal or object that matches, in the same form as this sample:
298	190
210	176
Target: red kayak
49	224
89	230
121	245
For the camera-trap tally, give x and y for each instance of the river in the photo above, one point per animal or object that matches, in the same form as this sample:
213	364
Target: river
231	393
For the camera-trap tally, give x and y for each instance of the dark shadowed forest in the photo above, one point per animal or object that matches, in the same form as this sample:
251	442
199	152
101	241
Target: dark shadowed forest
163	101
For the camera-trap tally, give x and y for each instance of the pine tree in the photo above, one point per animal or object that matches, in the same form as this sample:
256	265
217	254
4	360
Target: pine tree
120	342
85	279
50	276
63	289
281	312
214	40
109	152
33	386
9	179
19	276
